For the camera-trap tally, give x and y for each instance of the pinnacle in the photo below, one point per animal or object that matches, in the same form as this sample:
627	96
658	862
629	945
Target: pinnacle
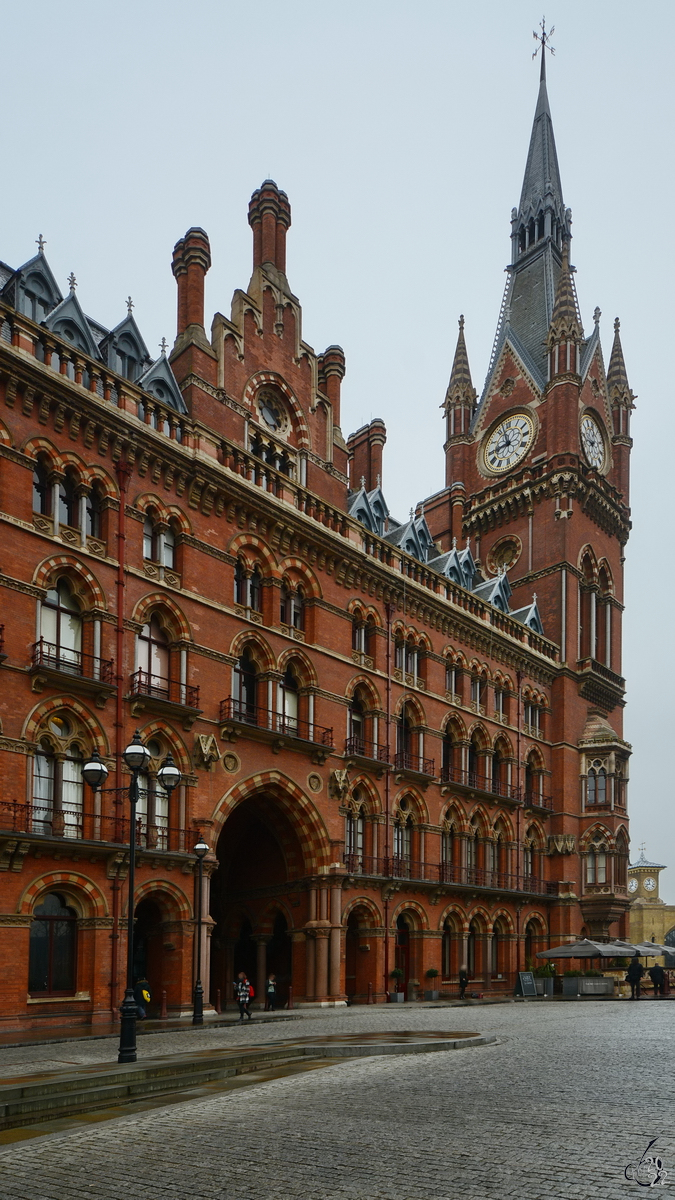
565	321
461	386
617	379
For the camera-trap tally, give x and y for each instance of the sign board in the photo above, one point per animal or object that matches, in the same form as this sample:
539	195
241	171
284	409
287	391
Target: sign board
526	985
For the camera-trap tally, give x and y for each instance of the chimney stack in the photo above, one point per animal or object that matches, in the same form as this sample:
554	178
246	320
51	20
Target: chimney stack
331	373
269	215
365	455
191	261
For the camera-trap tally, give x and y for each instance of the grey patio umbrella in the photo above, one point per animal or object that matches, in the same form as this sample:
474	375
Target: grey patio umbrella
589	949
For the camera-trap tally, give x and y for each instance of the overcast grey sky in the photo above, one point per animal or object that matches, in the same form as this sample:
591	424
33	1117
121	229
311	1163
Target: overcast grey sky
400	132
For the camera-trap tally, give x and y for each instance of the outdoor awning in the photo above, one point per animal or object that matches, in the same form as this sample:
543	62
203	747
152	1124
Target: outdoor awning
588	949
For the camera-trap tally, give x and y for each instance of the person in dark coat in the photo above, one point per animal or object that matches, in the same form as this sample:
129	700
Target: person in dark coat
463	981
658	978
142	996
634	975
271	993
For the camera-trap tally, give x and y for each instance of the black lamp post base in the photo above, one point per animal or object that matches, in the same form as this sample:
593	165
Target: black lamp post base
198	1007
128	1014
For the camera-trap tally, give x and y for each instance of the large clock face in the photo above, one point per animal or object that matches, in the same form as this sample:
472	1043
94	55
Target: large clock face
649	884
508	443
592	441
632	885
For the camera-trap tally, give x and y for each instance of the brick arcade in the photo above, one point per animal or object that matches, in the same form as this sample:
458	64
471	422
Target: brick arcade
401	740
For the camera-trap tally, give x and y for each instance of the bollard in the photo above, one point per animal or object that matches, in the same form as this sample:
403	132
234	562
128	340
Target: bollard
218	1008
290	996
162	1012
370	994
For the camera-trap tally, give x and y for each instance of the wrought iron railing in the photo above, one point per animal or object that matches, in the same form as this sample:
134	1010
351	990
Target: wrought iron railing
145	684
405	760
364	748
266	718
483	783
535	800
82	823
405	867
72	662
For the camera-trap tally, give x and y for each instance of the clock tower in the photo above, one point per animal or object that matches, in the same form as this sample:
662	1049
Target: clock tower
537	472
650	917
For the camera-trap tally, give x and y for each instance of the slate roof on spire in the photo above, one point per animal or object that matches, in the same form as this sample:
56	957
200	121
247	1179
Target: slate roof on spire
617	379
566	320
542	174
461	386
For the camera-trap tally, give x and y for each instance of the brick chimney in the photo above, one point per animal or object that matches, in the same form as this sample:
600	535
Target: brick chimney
331	373
365	455
269	215
191	261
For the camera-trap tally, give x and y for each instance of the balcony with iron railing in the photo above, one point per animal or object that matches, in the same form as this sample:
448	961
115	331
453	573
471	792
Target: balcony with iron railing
50	821
360	747
50	657
478	782
266	722
403	867
168	691
417	764
537	800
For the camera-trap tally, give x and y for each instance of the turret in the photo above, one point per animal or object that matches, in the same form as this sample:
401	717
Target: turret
621	402
565	333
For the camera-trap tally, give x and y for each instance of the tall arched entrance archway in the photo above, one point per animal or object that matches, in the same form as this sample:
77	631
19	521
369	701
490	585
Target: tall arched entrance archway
162	955
261	892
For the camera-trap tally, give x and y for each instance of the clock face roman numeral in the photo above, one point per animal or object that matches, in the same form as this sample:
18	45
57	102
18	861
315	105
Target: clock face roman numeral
508	443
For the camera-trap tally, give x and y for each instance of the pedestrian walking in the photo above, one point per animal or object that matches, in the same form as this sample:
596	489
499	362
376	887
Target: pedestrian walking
271	993
633	977
463	981
142	996
658	978
244	994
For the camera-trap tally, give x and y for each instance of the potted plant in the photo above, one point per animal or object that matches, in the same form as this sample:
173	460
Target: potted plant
395	996
543	979
431	993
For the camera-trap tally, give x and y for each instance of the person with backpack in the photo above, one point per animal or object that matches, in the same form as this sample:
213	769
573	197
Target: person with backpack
244	993
271	993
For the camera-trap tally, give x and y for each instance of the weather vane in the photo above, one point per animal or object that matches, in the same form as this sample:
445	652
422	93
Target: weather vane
544	39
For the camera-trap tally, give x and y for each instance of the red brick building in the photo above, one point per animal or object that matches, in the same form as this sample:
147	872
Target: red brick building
402	741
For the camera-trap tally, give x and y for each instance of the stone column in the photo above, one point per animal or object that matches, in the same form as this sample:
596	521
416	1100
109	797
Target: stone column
261	967
322	934
335	972
310	965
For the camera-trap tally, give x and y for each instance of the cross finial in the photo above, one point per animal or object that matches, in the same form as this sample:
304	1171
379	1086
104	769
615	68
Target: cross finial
130	305
164	345
617	324
454	543
468	543
461	321
72	281
378	478
412	514
41	243
544	40
363	481
596	315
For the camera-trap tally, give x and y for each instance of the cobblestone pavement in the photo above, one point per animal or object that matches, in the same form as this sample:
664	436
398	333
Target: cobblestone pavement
571	1094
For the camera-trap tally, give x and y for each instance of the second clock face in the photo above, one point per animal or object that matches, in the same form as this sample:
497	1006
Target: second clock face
649	884
592	441
508	443
632	885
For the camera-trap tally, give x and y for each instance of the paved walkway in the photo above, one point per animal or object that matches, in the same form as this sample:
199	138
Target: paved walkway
570	1095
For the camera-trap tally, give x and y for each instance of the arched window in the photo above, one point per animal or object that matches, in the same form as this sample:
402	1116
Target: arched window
152	660
289	703
596	861
473	949
531	943
60	644
69	513
53	944
42	492
621	860
498	948
596	787
57	781
531	859
475	754
450	949
499	771
245	689
248	587
94	511
169	548
399	652
150	539
450	677
292	607
534	780
472	851
354	832
448	852
255	598
357	726
403	826
152	807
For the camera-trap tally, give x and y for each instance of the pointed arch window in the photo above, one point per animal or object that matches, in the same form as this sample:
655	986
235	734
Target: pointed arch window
403	826
52	957
596	862
472	851
596	785
354	834
42	492
289	702
150	539
448	852
60	645
245	688
58	785
152	808
69	509
292	609
152	659
94	511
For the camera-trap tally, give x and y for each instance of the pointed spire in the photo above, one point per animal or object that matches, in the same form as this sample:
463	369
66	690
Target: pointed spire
565	320
460	388
542	188
617	379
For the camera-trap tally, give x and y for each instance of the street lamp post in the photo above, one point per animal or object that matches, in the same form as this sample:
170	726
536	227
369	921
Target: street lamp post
201	850
136	756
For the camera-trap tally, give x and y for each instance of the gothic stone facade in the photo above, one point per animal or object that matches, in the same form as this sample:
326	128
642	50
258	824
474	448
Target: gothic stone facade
400	757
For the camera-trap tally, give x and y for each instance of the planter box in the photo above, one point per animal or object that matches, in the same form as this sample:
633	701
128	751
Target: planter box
396	997
570	987
544	985
597	987
431	995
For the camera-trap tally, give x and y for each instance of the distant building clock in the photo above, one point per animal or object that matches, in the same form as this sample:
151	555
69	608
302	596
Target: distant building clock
649	884
592	441
632	885
508	443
